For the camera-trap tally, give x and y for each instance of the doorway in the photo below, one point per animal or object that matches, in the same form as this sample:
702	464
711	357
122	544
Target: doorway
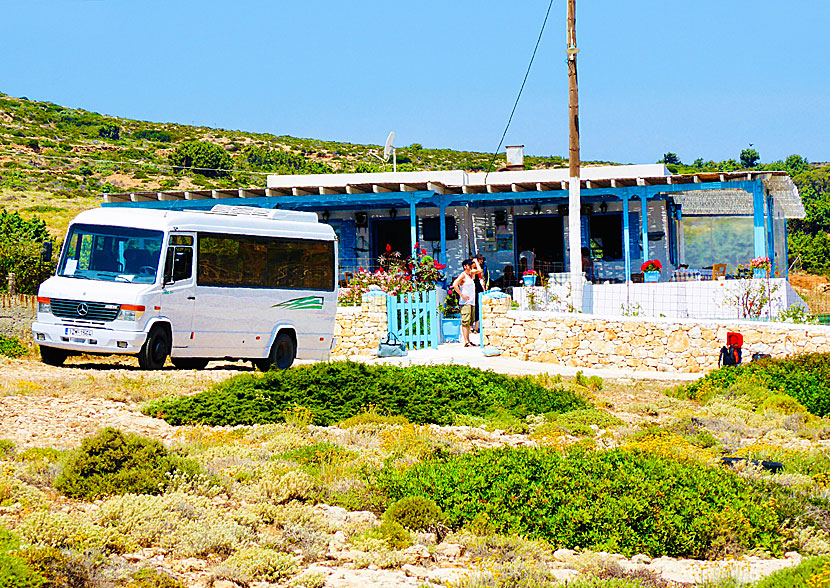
545	236
392	232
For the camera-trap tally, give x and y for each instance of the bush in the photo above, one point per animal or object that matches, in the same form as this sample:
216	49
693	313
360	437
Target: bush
336	391
617	501
150	578
114	463
58	568
813	572
201	157
154	135
11	347
804	377
109	131
14	571
415	513
393	533
254	563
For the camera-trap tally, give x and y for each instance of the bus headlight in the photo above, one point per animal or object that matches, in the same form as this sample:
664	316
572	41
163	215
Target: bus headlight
44	304
130	312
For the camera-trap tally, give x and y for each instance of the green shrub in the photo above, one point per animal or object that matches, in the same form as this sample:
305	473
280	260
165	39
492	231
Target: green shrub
58	568
811	573
112	462
7	449
394	533
804	377
616	501
150	578
154	135
14	571
578	422
415	512
204	158
109	131
11	347
255	563
319	454
336	391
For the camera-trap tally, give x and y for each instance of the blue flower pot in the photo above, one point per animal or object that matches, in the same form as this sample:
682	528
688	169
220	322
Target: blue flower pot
651	277
451	329
529	280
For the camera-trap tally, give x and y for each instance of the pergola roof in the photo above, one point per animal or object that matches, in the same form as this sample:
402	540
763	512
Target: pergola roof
699	193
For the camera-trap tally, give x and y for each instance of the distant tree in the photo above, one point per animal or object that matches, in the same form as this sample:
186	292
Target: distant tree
749	157
201	157
670	158
795	164
698	163
109	131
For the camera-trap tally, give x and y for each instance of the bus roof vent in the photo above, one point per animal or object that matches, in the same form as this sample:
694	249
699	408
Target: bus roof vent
270	213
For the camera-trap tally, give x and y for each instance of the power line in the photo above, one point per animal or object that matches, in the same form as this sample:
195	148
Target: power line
512	112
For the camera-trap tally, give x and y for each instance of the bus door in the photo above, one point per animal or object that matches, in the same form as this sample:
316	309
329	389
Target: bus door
178	297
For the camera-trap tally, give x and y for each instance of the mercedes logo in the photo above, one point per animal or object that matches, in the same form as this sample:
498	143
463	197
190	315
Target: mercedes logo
83	309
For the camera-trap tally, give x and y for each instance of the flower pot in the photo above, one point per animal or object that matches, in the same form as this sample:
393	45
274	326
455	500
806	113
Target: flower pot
450	329
529	280
759	272
651	277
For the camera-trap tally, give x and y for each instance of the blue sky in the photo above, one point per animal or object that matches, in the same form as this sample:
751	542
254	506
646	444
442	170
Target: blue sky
702	79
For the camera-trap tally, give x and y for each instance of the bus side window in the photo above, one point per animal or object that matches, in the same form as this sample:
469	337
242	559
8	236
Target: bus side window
178	265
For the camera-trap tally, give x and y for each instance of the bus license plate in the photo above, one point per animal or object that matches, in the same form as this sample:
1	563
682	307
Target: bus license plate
74	332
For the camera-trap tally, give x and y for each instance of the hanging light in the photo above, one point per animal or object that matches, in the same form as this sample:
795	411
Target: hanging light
393	212
603	207
325	216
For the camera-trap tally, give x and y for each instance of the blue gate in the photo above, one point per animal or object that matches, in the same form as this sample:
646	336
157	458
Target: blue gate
413	317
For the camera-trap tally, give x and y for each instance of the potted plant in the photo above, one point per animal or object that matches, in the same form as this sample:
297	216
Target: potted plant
529	277
450	317
651	270
760	267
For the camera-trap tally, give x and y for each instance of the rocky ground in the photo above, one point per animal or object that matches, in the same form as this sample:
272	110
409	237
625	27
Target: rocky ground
42	406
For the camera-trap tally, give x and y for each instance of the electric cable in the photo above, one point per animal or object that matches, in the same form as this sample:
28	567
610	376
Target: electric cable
515	104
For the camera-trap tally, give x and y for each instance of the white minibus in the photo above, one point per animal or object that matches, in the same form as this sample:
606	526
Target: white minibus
234	282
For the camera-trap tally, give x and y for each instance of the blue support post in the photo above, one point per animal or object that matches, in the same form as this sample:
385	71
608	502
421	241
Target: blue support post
771	235
644	224
786	259
442	212
758	219
413	227
626	238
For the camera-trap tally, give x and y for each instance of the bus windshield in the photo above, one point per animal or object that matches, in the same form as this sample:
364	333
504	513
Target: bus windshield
111	254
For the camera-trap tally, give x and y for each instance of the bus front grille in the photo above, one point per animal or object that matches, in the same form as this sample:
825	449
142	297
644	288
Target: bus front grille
85	310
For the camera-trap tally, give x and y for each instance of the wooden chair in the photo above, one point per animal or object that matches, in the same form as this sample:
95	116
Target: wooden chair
718	271
637	277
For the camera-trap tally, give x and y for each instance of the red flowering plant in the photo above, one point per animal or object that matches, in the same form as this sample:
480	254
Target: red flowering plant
652	265
529	273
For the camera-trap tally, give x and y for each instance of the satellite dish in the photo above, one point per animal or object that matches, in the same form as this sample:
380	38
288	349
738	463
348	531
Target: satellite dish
388	149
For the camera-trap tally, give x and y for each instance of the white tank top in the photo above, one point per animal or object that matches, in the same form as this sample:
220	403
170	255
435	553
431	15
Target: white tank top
468	288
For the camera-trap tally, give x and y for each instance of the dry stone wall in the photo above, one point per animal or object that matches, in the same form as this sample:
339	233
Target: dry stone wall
653	344
359	328
17	312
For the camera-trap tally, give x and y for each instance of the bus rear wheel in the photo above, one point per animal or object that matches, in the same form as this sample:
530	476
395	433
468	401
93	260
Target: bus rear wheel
155	350
53	356
282	355
189	363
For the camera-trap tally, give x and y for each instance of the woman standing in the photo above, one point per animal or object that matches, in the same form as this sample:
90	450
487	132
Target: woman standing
482	281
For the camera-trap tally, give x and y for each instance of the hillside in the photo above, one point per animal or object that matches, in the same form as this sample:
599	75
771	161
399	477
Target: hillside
55	160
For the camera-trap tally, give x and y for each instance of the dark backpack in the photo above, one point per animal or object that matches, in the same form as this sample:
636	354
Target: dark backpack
729	356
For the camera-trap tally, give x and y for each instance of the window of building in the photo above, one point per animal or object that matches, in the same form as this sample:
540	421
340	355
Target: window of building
245	261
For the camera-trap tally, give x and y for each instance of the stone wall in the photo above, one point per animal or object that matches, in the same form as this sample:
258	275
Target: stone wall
359	328
17	312
653	344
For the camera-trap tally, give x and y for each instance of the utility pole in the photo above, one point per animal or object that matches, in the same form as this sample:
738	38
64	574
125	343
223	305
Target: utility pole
574	204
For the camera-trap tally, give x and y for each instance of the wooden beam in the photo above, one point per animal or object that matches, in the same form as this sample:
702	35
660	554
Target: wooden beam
378	189
436	187
408	188
517	188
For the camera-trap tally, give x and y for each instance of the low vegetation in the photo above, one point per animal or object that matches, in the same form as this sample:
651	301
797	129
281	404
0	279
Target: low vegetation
618	501
112	462
804	378
334	392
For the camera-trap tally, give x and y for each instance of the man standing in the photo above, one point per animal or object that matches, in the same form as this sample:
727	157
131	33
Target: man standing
465	286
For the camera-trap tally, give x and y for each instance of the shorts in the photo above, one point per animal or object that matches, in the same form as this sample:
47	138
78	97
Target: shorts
468	315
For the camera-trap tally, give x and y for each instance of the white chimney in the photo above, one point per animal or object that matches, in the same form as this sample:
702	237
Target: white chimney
515	157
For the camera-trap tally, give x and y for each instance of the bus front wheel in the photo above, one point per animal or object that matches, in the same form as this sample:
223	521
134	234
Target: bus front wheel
282	354
155	350
52	355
